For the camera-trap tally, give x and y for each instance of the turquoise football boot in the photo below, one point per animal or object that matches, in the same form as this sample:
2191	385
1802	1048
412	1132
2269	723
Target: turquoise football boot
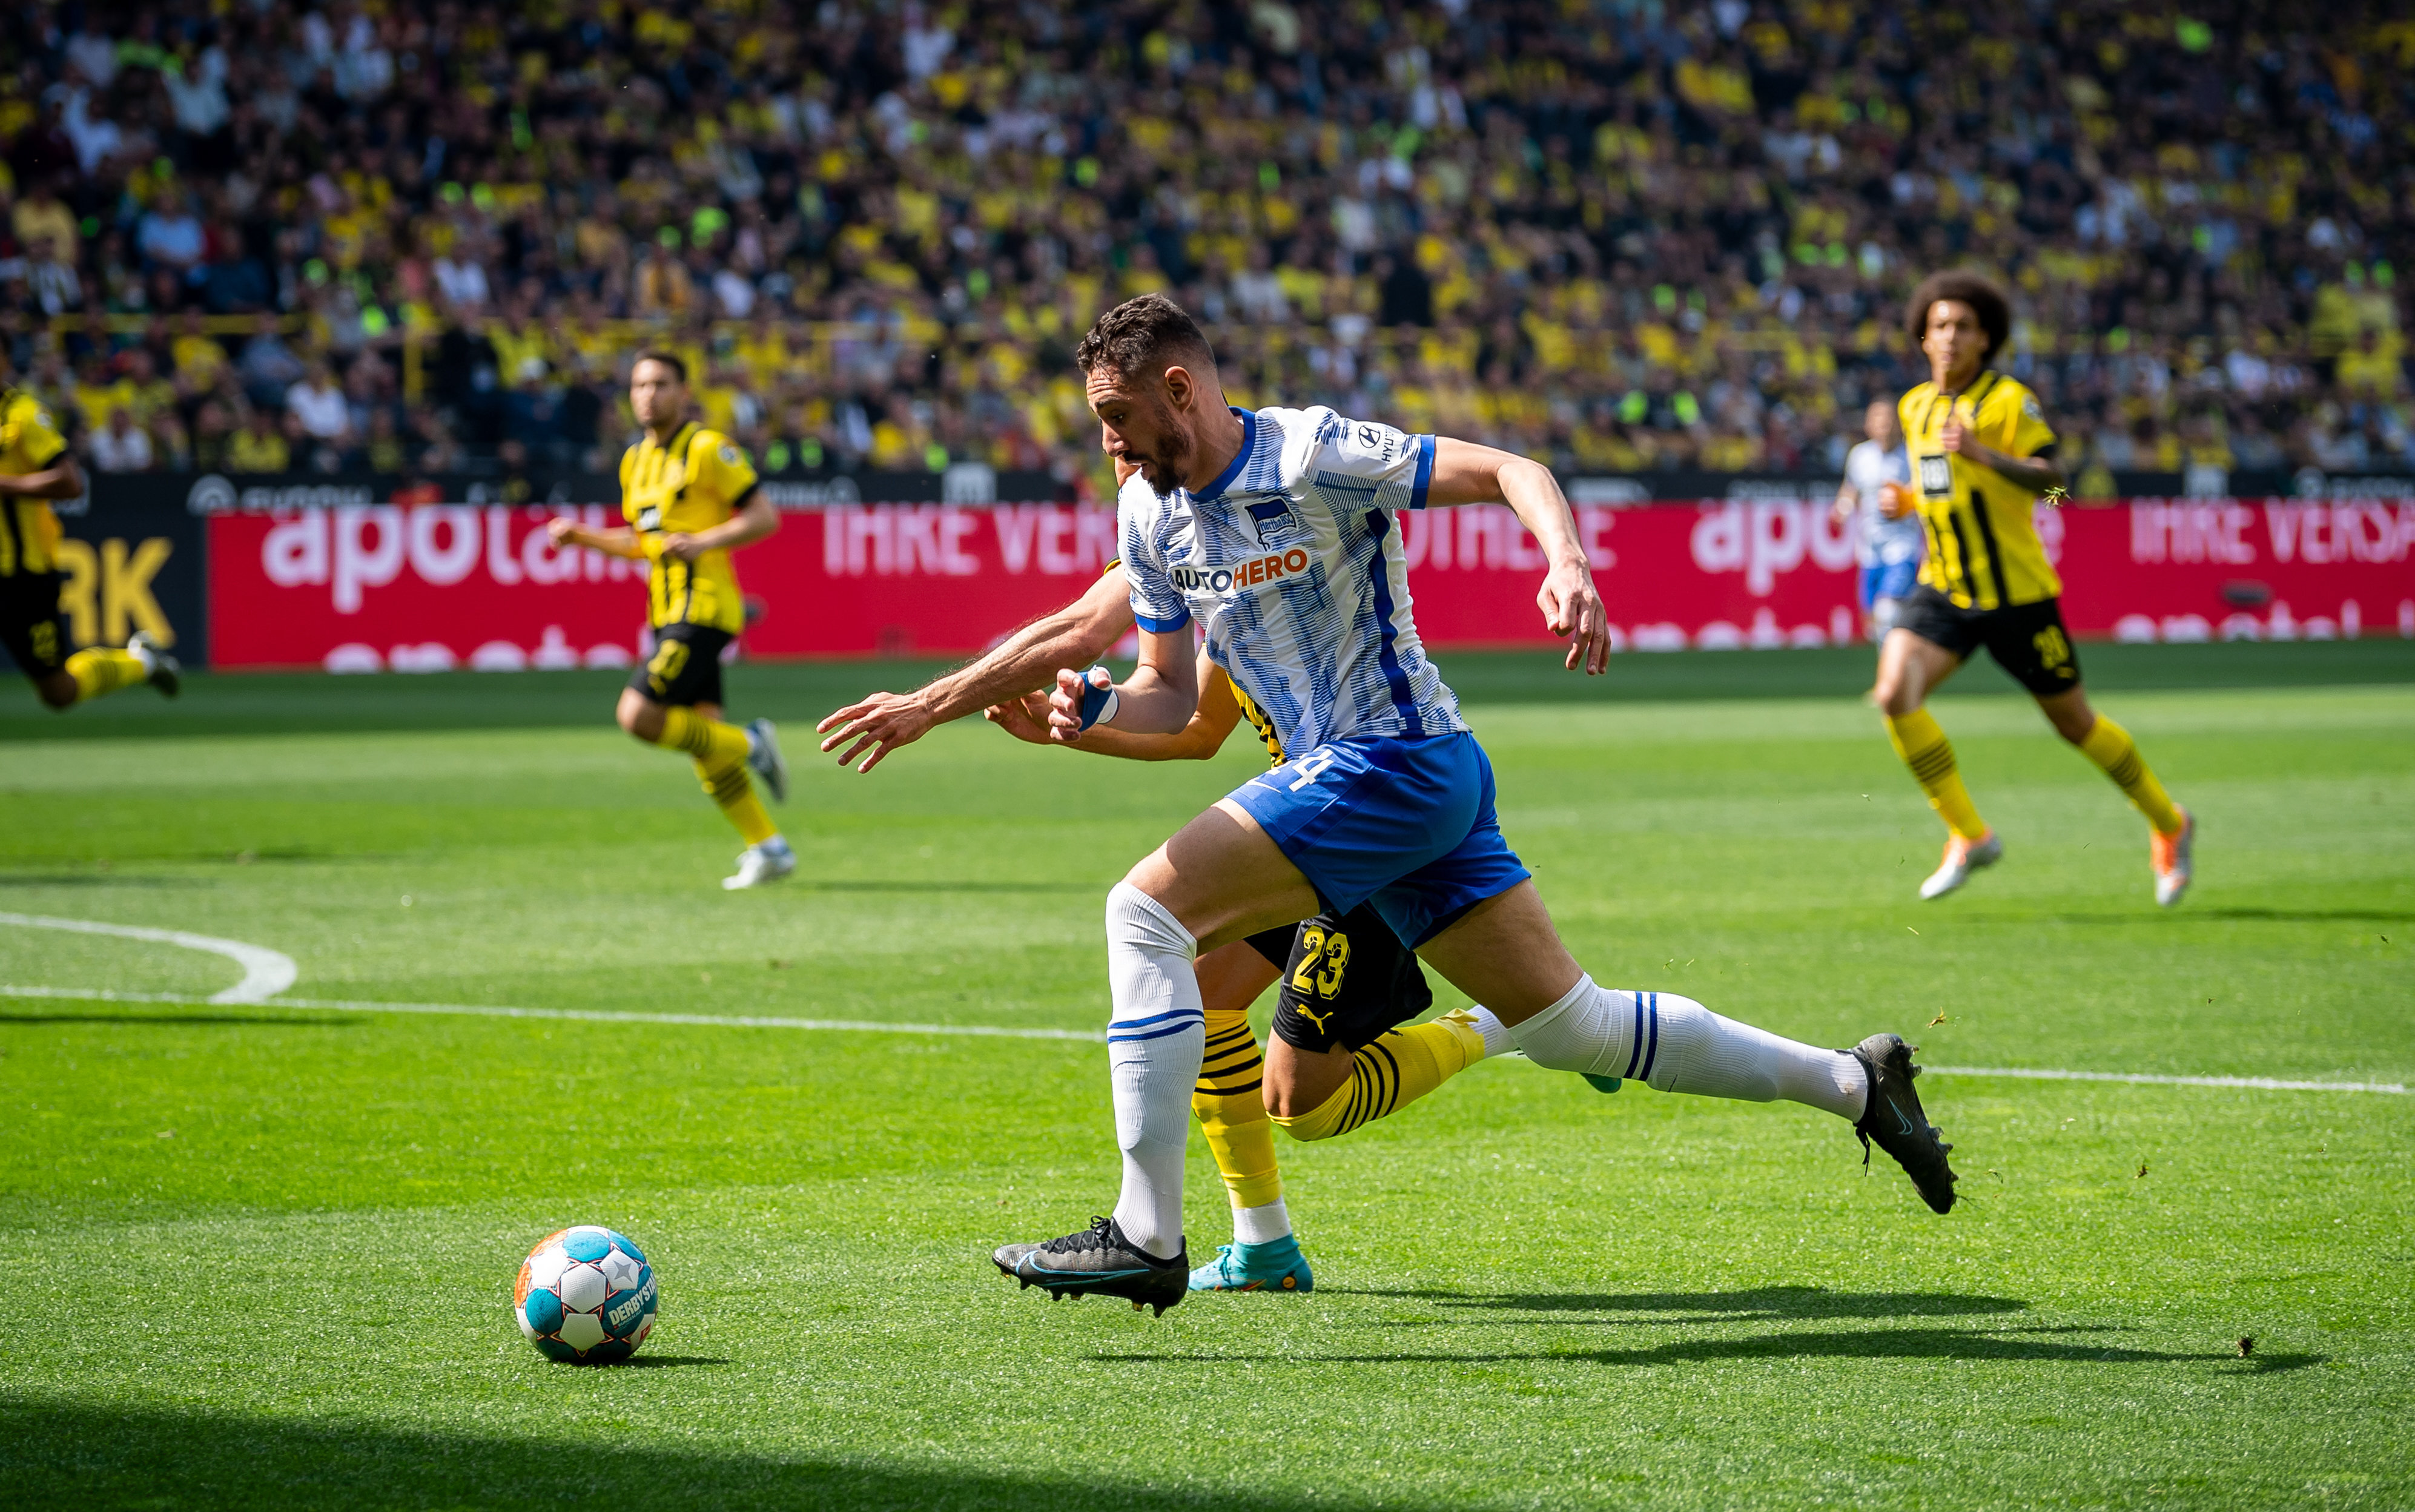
1276	1265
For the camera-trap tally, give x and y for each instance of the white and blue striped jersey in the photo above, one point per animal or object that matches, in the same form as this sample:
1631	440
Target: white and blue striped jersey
1291	561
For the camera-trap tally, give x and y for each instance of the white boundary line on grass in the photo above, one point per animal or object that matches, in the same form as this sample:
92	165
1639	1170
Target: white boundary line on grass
723	1021
267	973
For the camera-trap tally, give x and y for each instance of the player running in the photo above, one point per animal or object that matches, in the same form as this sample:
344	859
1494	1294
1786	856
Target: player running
1274	530
36	467
1339	1058
1885	523
1983	453
690	499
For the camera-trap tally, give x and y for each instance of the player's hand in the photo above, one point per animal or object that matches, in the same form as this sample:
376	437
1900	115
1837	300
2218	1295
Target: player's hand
1025	718
560	530
1895	501
681	546
1065	707
879	725
1572	608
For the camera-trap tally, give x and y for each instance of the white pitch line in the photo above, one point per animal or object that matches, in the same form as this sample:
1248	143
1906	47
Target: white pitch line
265	972
2265	1083
749	1020
722	1021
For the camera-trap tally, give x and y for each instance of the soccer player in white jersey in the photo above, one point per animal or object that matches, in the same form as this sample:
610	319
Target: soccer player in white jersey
1877	500
1274	532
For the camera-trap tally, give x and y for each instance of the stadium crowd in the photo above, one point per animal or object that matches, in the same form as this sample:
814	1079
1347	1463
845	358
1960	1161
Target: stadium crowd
1624	236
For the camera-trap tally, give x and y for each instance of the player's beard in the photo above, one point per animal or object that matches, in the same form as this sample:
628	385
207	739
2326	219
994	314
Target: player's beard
1168	462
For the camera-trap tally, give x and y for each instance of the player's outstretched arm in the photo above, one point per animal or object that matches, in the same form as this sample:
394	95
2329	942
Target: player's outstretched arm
759	518
1076	634
1027	719
614	541
60	480
1467	473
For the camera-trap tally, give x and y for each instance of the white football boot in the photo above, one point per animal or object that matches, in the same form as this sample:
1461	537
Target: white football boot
763	758
161	670
758	865
2174	862
1962	857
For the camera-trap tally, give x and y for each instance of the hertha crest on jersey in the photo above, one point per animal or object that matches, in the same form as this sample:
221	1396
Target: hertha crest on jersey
1291	561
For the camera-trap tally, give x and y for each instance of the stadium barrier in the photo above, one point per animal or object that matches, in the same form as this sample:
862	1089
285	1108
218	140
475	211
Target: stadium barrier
339	575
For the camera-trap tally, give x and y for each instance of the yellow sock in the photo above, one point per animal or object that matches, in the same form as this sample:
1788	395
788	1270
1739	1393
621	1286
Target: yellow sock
1401	1067
97	671
736	795
1931	756
711	741
1233	1112
2110	747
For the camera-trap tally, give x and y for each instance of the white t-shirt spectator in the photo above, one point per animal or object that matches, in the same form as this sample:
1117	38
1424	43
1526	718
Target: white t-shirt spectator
463	283
322	410
121	446
171	236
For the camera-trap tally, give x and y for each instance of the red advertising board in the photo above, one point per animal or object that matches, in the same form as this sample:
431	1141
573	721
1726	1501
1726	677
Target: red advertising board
423	587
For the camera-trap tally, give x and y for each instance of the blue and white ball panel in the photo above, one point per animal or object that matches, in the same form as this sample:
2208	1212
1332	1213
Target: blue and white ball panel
588	1296
1405	824
1292	563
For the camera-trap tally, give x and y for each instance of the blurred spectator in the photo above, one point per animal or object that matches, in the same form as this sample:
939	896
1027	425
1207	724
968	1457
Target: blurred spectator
120	445
268	365
318	407
258	446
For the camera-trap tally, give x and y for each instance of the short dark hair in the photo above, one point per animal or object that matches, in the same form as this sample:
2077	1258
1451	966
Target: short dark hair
1985	296
672	360
1133	337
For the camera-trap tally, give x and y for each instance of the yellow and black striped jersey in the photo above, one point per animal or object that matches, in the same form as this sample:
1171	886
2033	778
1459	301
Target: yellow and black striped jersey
1259	722
695	482
1983	550
29	443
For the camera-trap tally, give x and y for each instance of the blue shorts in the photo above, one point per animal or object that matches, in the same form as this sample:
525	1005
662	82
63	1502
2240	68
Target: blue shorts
1405	824
1888	579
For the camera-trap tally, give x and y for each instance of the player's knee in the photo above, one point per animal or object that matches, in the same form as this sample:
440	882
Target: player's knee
1134	917
58	692
641	717
1308	1124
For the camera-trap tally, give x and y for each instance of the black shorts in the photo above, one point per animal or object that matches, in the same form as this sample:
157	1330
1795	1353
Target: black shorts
1342	982
685	667
2027	641
31	626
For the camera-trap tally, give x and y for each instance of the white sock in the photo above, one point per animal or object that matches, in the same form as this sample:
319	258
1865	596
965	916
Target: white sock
1498	1041
1263	1224
1675	1045
1156	1037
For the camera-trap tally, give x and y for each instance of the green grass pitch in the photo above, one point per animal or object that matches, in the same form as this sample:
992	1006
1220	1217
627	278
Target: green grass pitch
261	1256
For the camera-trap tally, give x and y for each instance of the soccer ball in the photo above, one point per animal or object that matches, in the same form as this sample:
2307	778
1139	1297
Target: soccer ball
586	1295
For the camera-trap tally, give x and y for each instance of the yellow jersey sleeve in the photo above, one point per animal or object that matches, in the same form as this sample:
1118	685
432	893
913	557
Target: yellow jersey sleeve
29	437
2020	419
719	467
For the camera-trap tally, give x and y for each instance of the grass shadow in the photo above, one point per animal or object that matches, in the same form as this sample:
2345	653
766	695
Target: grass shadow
1754	1302
99	879
174	1020
1865	1344
2224	915
74	1454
